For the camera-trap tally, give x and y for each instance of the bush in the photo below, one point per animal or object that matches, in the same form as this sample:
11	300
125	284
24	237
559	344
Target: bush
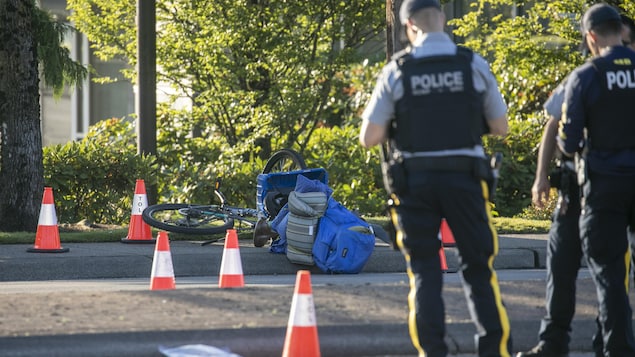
354	172
95	178
544	213
190	158
529	54
520	149
189	164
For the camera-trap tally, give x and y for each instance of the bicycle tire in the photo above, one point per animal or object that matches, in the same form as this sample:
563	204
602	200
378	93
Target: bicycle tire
284	160
182	223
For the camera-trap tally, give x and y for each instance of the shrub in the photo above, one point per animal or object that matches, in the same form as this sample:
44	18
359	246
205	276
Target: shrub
95	178
519	148
354	172
189	164
544	213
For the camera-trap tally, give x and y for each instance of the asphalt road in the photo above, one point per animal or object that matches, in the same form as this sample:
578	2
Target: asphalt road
358	315
95	301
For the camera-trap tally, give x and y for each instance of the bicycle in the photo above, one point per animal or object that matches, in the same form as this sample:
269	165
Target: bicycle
218	218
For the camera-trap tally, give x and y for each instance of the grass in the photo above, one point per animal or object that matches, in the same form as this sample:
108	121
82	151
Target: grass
115	234
506	225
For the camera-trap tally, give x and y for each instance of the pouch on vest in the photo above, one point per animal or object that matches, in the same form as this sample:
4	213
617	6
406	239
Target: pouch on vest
393	173
581	168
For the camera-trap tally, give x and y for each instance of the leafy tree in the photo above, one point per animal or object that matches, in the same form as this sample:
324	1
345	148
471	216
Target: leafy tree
257	75
530	54
266	74
30	36
253	69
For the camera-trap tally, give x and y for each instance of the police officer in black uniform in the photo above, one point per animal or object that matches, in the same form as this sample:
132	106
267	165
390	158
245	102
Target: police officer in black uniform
430	104
598	127
564	251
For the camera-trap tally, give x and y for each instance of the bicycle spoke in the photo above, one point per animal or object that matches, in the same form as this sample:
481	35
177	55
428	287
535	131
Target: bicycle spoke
182	218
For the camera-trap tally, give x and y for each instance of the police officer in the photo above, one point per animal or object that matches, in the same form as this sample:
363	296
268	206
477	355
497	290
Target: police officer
430	103
564	249
628	40
628	32
564	252
597	126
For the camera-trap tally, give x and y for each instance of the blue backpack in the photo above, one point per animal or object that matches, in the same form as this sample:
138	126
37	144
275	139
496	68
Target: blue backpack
344	241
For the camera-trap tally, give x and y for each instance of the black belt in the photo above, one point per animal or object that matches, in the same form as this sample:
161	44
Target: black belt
442	164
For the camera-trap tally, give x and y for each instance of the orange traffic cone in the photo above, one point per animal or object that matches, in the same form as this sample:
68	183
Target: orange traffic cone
447	238
444	261
162	270
231	267
139	231
47	236
302	334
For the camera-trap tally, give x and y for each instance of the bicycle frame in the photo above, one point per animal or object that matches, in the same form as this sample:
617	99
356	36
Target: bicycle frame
215	219
238	213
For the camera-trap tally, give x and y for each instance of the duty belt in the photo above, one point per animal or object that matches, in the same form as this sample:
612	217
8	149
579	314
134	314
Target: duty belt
442	164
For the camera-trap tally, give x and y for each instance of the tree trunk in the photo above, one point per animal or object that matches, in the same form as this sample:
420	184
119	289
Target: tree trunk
21	168
394	29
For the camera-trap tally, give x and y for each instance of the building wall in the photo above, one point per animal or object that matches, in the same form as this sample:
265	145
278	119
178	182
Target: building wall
56	121
68	118
110	100
56	116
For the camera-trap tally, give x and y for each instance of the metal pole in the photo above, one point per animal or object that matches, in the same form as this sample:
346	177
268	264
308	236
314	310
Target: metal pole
145	97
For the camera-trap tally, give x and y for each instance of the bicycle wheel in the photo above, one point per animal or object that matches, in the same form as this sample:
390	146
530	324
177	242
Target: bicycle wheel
188	219
283	161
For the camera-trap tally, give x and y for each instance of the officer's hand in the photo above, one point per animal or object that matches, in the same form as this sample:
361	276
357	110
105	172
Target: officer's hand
540	191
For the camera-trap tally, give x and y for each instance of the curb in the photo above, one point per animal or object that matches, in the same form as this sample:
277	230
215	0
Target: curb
117	260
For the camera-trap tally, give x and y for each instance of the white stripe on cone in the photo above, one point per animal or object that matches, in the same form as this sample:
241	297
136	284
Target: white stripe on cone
302	311
162	265
231	263
139	203
47	215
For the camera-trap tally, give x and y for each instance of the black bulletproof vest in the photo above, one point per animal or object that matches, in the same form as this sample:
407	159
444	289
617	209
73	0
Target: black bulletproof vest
440	108
611	119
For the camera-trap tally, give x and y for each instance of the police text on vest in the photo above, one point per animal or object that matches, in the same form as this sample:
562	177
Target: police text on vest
438	82
621	79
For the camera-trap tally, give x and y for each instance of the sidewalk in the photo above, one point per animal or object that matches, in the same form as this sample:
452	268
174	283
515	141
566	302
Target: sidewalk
119	260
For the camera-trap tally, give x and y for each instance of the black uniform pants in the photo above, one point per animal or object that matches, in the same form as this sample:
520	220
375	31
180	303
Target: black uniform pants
564	255
463	200
606	225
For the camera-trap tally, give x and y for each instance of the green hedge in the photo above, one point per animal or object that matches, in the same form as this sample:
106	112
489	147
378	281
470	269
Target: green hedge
95	178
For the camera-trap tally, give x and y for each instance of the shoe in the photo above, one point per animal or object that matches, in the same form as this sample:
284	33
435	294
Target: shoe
542	350
262	233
